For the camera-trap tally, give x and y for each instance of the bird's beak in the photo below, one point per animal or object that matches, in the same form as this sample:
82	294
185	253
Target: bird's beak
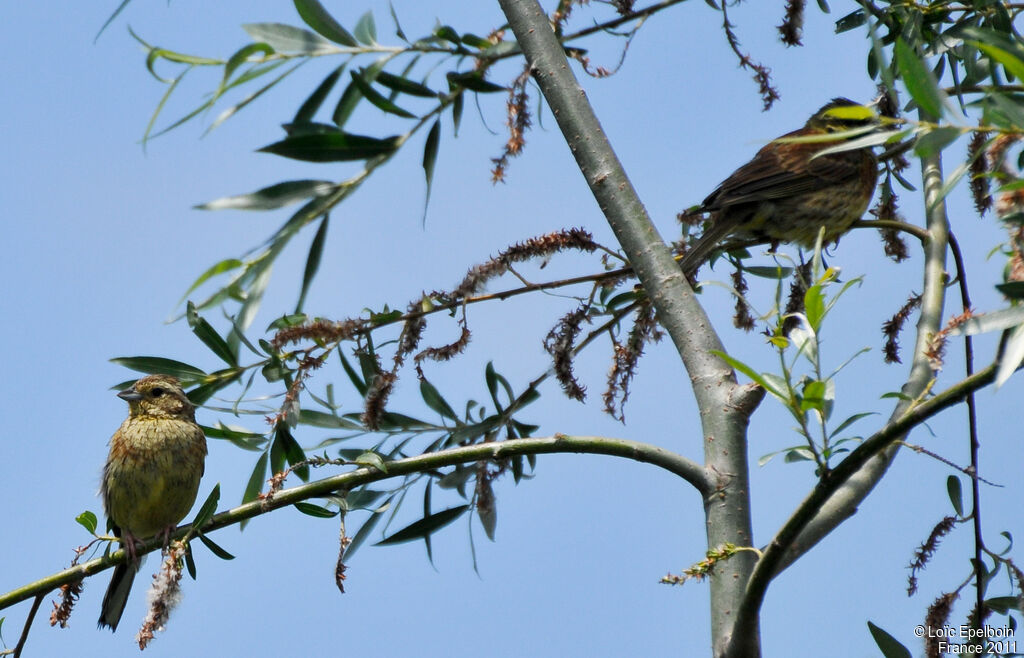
130	394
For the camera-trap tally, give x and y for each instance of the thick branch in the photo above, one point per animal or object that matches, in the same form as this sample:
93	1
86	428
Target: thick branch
678	310
876	448
725	407
642	452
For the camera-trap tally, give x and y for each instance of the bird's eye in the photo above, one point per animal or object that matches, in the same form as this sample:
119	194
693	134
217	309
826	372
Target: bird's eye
157	392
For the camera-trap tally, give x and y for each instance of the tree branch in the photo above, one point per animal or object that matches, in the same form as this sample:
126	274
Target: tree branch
725	406
496	450
878	447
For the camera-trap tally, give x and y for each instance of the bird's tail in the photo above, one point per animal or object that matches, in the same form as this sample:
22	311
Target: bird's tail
117	594
705	245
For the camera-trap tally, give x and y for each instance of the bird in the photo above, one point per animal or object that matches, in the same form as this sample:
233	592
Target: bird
151	477
786	194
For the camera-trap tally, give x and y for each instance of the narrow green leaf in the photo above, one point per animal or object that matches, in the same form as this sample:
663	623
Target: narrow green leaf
378	99
256	71
405	86
158	365
474	431
214	547
424	527
1010	62
1012	290
225	265
332	148
457	478
208	508
267	198
366	29
920	82
316	250
318	18
474	41
364	532
316	418
357	382
474	81
240	57
346	105
156	54
1007	112
851	21
309	107
190	563
850	421
362	498
234	109
288	39
278	458
877	56
488	515
491	377
430	149
256	479
148	132
750	372
508	48
200	394
764	459
426	514
525	429
767	272
814	306
1013	356
292	451
315	510
994	321
950	183
457	105
804	339
433	399
956	495
890	646
798	455
88	521
813	396
309	128
517	468
398	27
206	333
106	23
932	142
373	460
447	33
1003	604
240	437
368	365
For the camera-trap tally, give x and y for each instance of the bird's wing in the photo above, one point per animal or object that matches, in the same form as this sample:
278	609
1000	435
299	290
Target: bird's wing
777	173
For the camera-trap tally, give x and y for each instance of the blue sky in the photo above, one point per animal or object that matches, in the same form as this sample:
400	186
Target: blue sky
102	241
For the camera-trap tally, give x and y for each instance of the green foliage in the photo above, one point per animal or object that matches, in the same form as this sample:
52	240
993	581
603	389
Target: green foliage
809	396
88	521
887	644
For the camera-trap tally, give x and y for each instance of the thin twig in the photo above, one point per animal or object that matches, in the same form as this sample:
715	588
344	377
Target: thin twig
28	624
972	426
